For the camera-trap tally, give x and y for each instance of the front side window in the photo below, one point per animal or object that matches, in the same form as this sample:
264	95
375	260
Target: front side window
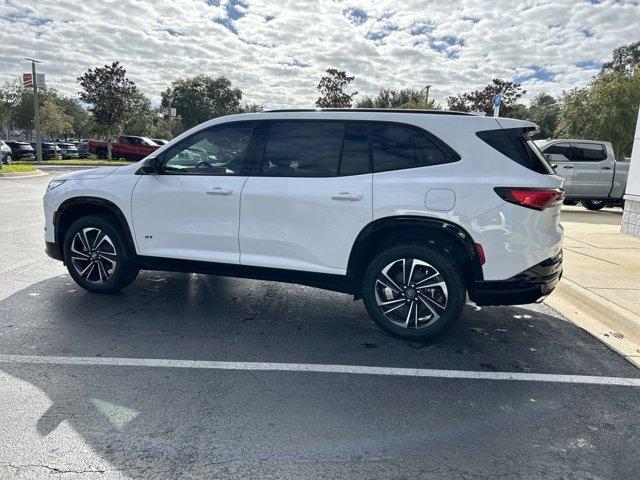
588	152
396	147
302	149
561	152
219	150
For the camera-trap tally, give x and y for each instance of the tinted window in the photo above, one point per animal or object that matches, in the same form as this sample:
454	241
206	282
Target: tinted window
561	152
302	149
355	151
220	150
395	147
588	152
513	143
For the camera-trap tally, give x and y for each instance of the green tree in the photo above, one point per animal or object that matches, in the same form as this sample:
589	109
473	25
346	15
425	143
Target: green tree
10	97
544	111
605	110
482	100
626	59
403	98
332	90
110	95
141	117
53	121
80	118
202	98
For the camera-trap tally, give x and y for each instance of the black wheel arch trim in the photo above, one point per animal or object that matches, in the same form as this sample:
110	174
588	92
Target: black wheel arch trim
89	202
452	230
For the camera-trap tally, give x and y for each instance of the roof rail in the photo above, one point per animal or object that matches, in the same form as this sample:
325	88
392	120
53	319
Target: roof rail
371	110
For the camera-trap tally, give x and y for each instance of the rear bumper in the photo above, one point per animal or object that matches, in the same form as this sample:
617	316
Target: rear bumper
530	286
52	250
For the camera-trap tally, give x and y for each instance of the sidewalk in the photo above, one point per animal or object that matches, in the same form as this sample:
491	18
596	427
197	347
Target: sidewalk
600	288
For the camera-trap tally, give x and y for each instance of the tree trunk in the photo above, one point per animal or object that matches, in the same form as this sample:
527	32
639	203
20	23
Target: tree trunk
109	144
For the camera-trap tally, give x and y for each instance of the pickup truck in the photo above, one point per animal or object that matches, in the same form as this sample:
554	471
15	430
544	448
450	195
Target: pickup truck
129	147
592	175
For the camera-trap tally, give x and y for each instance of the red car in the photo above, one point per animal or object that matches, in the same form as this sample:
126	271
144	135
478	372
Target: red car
129	147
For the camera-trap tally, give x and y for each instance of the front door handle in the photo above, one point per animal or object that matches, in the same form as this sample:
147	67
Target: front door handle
346	196
219	191
605	168
567	166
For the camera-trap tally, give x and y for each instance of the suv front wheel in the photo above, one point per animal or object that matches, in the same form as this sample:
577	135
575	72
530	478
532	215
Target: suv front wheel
97	256
413	292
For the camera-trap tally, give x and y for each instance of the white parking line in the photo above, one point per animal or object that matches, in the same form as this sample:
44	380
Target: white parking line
320	368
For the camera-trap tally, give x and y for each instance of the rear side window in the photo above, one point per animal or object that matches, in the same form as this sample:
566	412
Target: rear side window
588	152
561	152
513	143
302	149
397	147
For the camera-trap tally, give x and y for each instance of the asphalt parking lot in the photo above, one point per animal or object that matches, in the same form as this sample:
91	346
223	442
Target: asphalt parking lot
92	385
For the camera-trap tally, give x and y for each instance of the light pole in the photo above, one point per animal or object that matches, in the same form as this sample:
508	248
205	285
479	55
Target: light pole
36	108
426	95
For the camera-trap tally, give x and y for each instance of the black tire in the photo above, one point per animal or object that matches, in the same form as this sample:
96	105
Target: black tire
448	273
101	153
115	247
593	204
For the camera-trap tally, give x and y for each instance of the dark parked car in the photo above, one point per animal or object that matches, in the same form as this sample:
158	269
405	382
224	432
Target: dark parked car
49	150
83	149
68	150
21	150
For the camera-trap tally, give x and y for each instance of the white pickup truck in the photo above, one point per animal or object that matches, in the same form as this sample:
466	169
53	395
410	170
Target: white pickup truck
591	173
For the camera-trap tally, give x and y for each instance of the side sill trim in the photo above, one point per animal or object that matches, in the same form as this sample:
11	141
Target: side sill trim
337	283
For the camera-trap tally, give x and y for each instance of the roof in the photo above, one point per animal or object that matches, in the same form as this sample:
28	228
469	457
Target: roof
370	110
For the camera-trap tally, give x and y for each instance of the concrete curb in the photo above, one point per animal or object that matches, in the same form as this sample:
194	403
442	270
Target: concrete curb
36	173
616	327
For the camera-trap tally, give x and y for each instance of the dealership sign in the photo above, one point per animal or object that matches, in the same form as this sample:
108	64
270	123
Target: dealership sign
27	80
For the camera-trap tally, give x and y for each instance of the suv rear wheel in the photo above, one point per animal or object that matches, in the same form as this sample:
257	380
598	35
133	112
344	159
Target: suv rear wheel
97	255
413	292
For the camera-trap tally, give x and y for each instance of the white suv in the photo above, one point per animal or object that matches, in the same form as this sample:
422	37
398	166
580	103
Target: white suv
408	210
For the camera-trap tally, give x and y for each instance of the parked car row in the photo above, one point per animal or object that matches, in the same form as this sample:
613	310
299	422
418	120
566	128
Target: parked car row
15	150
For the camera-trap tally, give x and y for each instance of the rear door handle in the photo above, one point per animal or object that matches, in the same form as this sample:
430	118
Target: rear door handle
567	166
346	196
219	191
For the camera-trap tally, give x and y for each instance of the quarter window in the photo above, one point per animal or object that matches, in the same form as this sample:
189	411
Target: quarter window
302	149
220	150
397	147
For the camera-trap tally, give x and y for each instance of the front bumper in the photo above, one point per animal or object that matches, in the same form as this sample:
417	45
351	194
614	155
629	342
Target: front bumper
530	286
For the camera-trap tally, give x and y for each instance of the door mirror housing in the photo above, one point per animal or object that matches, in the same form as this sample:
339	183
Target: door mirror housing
151	166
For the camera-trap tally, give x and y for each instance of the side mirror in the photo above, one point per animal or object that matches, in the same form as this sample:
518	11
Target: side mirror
151	166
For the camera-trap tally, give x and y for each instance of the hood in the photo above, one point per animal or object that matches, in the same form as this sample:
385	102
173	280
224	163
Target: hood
88	173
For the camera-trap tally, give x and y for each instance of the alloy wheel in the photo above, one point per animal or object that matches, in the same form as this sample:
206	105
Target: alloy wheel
411	293
93	255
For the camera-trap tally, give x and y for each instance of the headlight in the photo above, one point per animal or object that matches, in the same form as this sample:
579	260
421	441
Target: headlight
55	183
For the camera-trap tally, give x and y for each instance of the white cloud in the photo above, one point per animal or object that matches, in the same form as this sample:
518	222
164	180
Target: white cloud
275	51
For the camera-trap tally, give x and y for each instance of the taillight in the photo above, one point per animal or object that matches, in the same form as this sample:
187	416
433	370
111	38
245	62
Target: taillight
481	256
536	198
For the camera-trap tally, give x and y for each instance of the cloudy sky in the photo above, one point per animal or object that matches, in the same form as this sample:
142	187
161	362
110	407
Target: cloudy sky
275	51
